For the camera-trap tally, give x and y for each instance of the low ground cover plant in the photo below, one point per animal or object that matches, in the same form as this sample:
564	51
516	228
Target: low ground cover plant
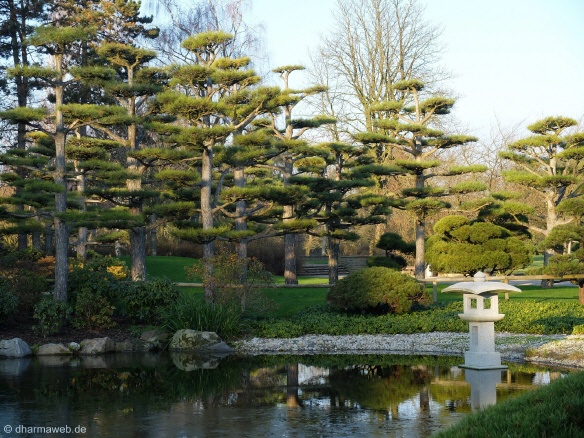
521	316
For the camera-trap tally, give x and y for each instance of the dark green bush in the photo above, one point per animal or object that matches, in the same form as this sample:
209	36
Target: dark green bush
95	275
8	301
377	290
29	287
397	263
144	300
50	315
93	310
94	292
190	311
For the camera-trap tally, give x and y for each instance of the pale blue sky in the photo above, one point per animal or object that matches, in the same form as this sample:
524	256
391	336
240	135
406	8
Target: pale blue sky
513	60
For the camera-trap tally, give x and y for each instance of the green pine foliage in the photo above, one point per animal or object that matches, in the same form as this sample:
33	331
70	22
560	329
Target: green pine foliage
462	246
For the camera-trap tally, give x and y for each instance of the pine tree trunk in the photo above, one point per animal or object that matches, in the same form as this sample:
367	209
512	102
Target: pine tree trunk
48	239
547	284
61	230
581	291
153	236
241	225
420	264
36	240
333	260
82	234
290	240
290	274
207	219
137	234
118	248
138	253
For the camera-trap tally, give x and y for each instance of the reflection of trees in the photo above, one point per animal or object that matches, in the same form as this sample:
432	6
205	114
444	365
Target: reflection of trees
378	387
292	399
125	394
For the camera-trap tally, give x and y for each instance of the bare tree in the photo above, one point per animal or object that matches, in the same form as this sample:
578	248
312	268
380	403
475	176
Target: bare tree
374	44
184	20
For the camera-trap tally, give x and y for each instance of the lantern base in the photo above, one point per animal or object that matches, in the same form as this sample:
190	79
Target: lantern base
482	361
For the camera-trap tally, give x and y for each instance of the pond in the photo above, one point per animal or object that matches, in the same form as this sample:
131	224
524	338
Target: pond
173	395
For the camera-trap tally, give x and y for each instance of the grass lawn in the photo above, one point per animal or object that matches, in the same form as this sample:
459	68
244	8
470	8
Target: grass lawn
170	267
290	301
554	410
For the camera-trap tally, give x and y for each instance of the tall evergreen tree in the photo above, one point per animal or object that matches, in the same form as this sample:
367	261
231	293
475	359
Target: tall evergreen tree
211	100
548	163
58	43
340	196
292	132
17	21
407	132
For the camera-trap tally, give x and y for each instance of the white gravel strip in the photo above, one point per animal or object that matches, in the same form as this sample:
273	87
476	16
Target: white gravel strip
511	346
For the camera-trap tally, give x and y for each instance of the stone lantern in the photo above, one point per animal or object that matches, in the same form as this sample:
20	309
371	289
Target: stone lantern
481	310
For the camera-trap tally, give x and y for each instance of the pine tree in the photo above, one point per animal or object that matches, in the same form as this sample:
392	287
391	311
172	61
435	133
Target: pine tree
57	42
17	25
291	133
405	131
211	100
548	163
340	198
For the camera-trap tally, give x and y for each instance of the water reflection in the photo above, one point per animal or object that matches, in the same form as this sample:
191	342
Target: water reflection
186	396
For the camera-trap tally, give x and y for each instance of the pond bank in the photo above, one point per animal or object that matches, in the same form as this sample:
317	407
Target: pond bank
557	350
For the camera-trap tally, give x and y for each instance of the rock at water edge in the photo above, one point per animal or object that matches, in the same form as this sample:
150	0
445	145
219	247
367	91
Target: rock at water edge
14	348
53	350
97	346
192	340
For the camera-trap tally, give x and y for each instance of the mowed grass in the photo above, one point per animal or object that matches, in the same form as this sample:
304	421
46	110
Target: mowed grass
290	301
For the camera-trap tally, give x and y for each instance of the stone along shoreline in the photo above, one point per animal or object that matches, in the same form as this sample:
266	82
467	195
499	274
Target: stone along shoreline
555	350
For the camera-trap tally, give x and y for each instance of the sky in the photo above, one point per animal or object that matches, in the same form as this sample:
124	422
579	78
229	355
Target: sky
513	61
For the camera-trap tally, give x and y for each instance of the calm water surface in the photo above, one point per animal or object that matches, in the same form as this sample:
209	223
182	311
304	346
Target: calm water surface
164	395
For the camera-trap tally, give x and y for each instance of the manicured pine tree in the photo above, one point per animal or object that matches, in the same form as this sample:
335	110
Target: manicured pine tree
131	85
292	132
16	26
340	198
29	205
405	127
548	163
58	42
211	100
253	192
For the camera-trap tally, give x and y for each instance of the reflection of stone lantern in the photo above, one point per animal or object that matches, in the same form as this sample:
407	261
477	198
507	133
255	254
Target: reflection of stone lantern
481	310
483	387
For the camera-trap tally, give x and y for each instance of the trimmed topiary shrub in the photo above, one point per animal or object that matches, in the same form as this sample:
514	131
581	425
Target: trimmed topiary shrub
397	263
377	290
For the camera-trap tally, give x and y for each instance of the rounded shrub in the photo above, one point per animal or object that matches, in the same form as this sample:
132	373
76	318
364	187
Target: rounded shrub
397	263
377	290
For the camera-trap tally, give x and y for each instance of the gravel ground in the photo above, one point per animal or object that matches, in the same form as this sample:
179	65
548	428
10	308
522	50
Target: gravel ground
558	350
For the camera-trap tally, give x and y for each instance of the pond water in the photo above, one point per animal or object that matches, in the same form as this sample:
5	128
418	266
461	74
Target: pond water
166	395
